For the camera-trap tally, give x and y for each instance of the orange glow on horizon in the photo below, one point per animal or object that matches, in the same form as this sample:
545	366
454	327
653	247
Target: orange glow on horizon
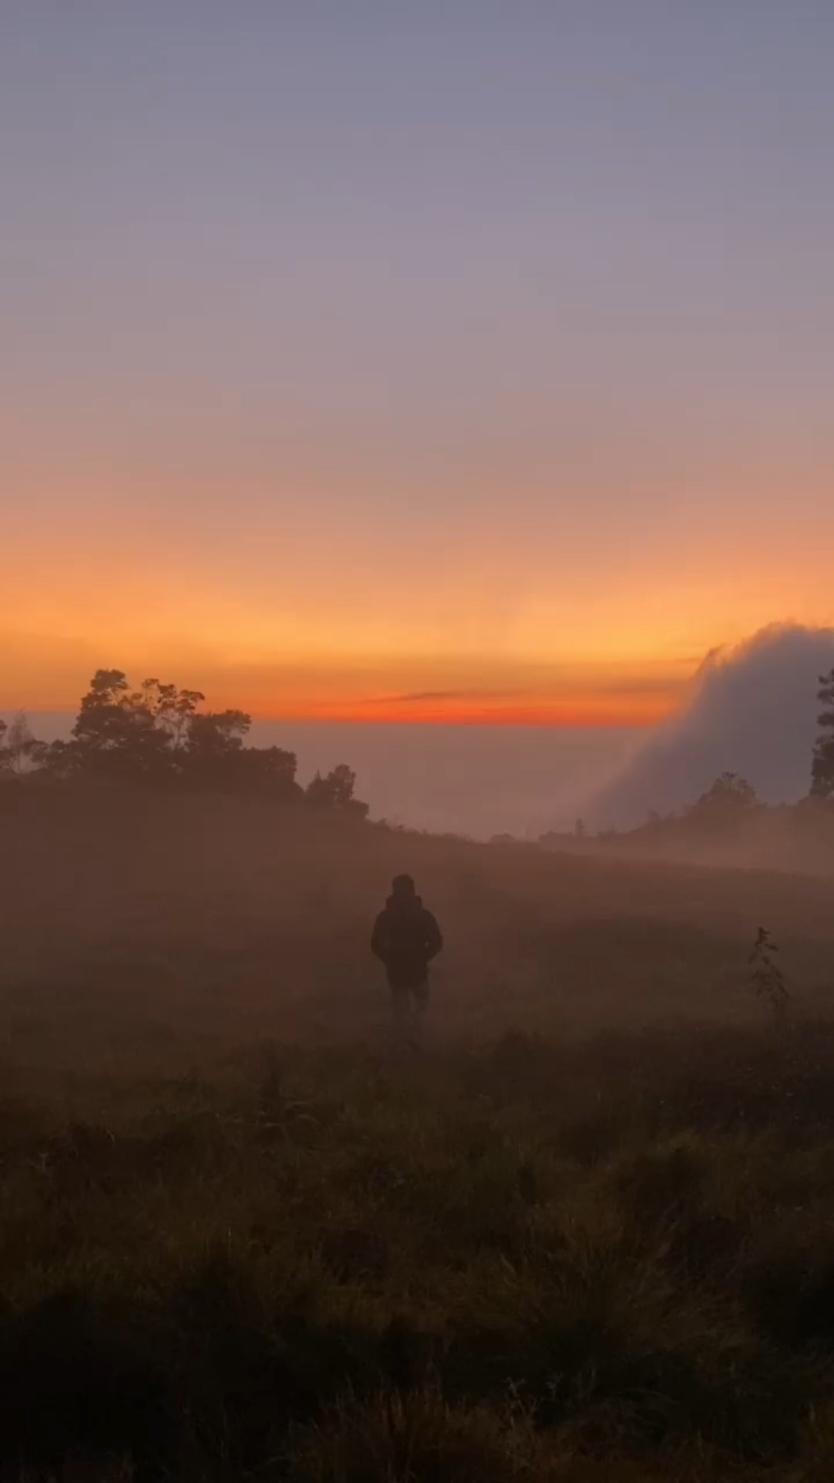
286	630
427	692
594	712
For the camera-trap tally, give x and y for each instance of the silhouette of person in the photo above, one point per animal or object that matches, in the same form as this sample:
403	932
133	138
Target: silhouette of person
405	938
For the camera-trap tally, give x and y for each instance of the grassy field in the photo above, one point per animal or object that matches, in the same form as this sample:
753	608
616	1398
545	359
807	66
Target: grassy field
586	1234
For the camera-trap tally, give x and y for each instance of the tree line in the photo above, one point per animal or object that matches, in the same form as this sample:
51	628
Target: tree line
157	734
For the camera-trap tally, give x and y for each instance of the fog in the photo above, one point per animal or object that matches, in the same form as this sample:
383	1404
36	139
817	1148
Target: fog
473	780
224	1176
752	710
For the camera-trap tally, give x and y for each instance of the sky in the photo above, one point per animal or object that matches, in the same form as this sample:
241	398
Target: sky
451	362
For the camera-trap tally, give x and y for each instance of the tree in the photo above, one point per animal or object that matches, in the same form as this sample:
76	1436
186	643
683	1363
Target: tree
116	731
213	753
822	767
137	734
216	733
729	797
213	747
60	759
20	752
171	708
335	791
157	733
267	770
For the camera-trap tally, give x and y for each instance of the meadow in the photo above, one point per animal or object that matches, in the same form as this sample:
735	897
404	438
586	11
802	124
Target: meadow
585	1233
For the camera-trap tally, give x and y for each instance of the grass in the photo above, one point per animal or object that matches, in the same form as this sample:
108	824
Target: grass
584	1236
509	1262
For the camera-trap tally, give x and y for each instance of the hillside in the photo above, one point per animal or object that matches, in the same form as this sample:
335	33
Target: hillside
229	917
584	1237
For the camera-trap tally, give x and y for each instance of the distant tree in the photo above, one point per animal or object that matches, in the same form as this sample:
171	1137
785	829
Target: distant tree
335	791
116	732
216	734
822	768
212	753
171	708
134	734
157	733
20	752
729	797
213	746
268	770
579	829
60	760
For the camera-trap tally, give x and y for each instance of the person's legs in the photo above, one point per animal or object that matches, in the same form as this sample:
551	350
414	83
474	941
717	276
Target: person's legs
400	1012
420	1003
411	1014
408	1004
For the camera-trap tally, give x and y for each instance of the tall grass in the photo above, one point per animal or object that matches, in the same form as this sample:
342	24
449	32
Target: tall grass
512	1262
585	1235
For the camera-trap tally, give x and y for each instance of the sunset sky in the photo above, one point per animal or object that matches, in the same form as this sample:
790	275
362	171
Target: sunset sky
454	360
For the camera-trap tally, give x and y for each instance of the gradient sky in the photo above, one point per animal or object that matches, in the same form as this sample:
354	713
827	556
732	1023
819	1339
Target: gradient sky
462	360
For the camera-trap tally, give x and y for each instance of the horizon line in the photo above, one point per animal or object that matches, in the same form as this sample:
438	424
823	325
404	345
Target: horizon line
527	718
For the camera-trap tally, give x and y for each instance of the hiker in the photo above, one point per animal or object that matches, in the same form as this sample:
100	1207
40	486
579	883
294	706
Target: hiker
405	938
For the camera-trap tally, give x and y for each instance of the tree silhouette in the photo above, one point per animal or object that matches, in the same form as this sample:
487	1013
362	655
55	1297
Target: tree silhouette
158	734
267	769
20	752
116	732
729	797
335	791
213	753
216	734
171	708
822	767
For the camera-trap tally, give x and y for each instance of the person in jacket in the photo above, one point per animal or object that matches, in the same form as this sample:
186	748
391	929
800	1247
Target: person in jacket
406	938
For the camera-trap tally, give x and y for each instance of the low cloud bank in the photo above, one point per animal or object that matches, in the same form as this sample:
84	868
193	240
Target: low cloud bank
752	710
477	780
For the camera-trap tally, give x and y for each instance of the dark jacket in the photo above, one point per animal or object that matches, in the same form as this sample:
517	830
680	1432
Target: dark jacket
406	937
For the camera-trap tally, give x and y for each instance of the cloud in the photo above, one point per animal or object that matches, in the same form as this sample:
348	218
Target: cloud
419	695
750	710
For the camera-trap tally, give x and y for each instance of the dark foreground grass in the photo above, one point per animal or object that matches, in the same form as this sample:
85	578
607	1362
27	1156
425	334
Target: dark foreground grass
524	1261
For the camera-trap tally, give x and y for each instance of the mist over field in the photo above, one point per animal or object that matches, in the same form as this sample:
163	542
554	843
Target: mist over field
249	1232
